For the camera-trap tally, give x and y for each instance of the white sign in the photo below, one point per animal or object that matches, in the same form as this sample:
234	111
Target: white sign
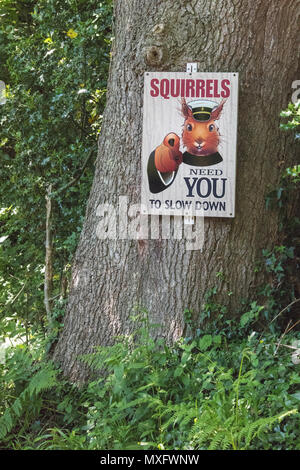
189	144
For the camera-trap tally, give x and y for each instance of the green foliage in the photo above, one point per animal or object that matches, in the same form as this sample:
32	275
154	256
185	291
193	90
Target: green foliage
43	380
54	61
251	315
32	395
196	394
219	432
292	113
282	261
285	196
230	427
207	393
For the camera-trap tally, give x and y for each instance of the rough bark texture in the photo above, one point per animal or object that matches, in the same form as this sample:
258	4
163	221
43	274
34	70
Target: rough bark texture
256	39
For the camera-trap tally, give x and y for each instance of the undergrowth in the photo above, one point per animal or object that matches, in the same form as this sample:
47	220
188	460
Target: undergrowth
205	392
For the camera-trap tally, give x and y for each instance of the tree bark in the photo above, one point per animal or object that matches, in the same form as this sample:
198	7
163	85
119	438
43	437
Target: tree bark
111	278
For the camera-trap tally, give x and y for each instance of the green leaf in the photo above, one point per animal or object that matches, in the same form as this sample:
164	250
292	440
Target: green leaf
205	342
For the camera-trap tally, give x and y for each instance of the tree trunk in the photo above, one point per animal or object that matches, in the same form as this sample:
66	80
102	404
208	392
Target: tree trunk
111	278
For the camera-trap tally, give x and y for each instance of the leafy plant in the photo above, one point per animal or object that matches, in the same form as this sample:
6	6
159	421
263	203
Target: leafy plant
54	61
27	401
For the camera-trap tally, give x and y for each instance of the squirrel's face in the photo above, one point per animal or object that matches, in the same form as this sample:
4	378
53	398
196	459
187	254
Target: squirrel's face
200	138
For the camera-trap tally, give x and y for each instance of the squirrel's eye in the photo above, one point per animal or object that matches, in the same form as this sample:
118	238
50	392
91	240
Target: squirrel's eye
211	127
189	127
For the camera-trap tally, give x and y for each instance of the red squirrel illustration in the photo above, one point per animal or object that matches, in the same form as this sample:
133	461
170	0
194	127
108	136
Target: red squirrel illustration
167	156
201	137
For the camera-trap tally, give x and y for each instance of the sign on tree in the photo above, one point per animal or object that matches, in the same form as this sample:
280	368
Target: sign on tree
189	144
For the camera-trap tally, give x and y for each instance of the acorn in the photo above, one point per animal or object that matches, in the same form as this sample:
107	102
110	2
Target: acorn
167	156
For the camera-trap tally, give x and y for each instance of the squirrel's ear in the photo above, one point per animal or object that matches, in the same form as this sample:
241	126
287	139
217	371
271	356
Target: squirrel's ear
216	113
185	109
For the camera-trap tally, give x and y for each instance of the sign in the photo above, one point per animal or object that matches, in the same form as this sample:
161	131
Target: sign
189	143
